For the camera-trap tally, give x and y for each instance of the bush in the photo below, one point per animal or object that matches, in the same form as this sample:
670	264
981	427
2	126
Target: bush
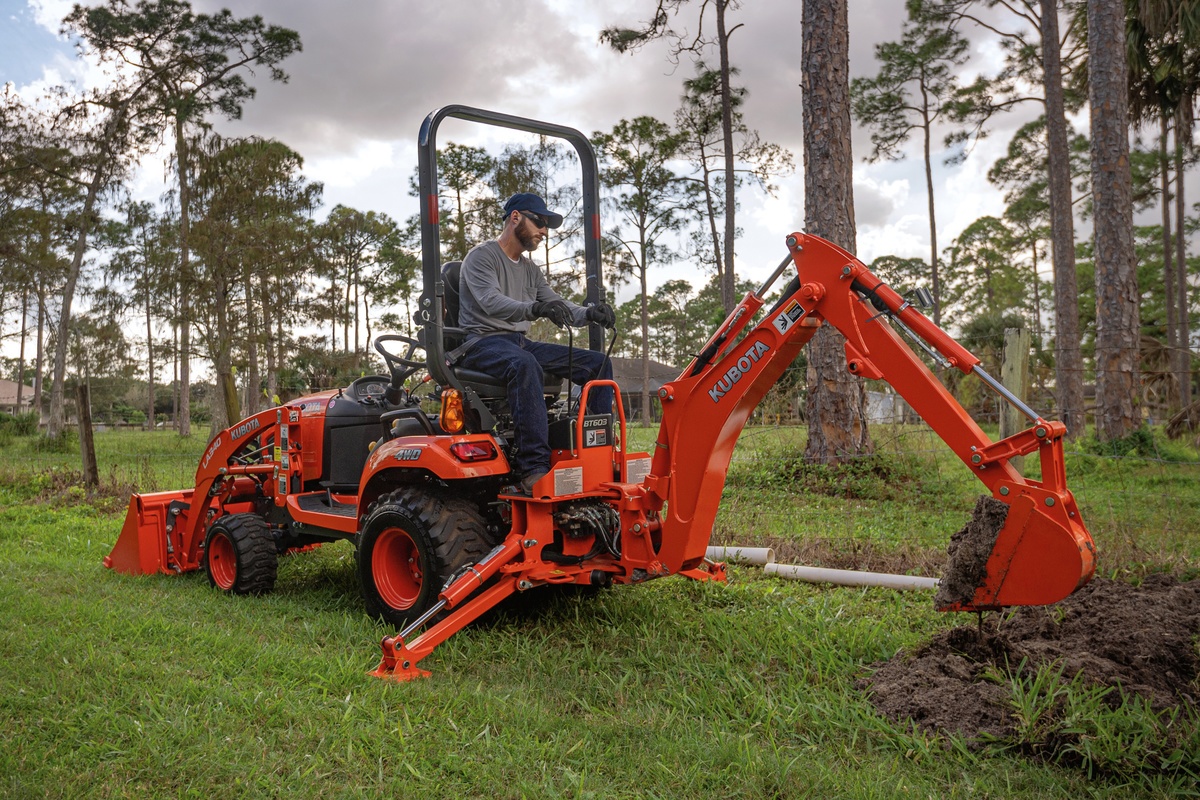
24	424
1141	443
65	442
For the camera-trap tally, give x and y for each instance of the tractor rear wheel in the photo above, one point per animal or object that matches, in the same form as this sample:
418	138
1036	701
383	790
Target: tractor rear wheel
240	555
411	542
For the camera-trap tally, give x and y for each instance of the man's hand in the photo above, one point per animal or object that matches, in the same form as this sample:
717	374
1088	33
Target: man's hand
557	311
603	315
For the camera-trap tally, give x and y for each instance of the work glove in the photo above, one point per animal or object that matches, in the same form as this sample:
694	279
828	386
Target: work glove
557	311
603	315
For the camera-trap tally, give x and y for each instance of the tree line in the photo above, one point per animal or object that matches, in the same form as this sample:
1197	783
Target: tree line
233	267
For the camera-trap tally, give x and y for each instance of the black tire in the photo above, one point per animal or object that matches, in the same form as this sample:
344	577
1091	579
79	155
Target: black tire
240	555
411	542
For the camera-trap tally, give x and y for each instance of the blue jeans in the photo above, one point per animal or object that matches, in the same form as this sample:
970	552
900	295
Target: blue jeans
522	363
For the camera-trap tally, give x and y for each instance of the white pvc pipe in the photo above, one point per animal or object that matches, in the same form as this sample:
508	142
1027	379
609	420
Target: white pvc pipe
847	577
758	556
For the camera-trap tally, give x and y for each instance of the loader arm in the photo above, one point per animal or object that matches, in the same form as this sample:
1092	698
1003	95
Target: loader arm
1041	553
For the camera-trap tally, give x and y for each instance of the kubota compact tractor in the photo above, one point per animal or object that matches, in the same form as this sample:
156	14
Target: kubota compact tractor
438	541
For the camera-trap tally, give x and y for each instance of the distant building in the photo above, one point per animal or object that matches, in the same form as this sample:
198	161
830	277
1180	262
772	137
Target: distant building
627	372
8	398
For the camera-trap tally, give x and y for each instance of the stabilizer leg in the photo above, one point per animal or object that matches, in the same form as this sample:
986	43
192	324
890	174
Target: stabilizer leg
399	662
400	658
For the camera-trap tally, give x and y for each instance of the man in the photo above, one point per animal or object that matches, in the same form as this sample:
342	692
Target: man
501	292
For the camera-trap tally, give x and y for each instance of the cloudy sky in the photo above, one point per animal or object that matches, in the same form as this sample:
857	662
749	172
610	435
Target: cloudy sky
371	70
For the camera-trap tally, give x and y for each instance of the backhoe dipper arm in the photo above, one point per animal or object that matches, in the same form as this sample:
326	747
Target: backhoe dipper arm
1041	553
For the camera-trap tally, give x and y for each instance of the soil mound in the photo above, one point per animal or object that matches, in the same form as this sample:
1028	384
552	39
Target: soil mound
1143	639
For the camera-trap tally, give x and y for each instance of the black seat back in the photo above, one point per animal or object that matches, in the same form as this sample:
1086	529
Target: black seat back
450	301
451	271
453	336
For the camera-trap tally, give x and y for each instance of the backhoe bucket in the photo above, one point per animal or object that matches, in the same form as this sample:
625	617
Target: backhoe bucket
143	546
1030	552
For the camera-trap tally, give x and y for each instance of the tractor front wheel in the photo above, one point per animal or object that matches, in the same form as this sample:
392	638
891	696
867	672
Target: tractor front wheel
411	542
240	555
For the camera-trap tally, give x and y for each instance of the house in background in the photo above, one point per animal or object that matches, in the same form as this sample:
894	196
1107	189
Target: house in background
627	372
8	398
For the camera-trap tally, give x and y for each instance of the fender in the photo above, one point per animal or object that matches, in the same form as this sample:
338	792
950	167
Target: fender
439	455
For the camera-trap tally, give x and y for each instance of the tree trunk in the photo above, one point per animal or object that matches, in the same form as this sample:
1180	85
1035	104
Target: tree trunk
149	365
1117	380
87	447
185	323
711	212
57	387
1182	336
837	422
933	248
21	352
1068	358
1164	173
226	384
252	337
175	377
645	337
268	335
728	279
1037	296
39	357
1164	184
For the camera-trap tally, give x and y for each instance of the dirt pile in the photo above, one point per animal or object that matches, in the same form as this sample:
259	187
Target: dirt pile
1143	639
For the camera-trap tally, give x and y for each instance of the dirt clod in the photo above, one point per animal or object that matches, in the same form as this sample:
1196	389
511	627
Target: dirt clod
969	550
1143	639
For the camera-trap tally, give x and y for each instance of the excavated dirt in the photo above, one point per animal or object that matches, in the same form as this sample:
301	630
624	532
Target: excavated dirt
1143	639
969	550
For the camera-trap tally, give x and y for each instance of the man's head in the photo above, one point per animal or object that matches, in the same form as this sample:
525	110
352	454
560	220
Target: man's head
526	215
535	208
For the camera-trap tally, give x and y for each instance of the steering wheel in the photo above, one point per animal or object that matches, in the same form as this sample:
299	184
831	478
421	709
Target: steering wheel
400	367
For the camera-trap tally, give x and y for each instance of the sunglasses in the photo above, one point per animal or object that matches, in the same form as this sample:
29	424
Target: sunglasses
536	219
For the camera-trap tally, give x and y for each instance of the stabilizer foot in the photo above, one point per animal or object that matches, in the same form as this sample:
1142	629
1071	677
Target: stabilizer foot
715	572
397	664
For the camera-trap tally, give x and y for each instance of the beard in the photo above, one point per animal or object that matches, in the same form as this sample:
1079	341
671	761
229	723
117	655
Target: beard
525	238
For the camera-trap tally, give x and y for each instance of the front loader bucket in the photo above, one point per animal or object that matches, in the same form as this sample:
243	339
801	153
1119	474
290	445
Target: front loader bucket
1030	552
143	547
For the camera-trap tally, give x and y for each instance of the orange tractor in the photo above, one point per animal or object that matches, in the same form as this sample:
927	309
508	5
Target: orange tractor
438	538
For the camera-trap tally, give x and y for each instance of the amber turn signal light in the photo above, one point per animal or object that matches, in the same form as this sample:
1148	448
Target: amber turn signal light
452	419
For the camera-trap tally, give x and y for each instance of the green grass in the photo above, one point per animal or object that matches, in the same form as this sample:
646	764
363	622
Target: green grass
145	687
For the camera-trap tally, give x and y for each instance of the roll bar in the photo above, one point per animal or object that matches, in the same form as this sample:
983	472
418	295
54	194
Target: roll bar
432	302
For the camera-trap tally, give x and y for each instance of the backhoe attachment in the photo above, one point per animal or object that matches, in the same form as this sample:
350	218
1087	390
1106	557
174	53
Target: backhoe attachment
1026	544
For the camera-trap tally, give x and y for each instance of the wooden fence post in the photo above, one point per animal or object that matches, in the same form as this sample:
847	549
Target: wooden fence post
1014	374
87	448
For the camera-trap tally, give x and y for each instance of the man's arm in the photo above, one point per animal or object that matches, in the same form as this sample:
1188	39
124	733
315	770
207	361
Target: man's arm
544	293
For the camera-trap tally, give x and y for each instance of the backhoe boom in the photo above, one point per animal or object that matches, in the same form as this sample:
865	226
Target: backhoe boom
1041	553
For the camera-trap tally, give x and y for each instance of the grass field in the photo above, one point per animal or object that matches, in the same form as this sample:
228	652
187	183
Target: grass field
147	687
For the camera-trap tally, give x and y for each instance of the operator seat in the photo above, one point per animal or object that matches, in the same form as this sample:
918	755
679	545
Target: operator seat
486	386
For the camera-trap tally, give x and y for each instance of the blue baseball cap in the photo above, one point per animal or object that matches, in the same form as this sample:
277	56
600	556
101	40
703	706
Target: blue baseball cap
528	201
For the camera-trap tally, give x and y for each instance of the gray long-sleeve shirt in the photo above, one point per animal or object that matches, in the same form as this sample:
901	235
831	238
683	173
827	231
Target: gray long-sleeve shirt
497	294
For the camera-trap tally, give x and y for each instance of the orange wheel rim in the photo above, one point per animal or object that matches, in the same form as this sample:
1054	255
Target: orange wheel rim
396	568
222	561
